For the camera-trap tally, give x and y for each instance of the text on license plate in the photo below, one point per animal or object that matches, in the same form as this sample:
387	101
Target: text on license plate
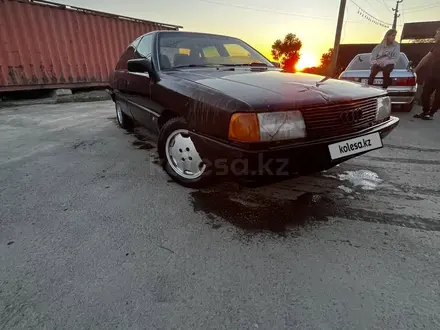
355	146
375	82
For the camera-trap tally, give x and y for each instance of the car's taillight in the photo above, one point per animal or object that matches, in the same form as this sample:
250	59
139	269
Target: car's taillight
404	81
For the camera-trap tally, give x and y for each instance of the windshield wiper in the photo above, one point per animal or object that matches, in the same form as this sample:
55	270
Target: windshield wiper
192	66
247	64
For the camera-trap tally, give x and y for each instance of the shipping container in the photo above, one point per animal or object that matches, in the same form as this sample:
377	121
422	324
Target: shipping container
46	45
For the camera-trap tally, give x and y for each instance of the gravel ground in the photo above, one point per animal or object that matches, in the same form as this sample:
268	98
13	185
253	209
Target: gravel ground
93	235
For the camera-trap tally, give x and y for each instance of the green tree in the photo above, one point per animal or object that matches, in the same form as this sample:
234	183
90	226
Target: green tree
287	51
326	59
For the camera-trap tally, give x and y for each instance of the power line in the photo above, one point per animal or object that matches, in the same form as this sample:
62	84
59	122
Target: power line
371	6
266	10
382	2
277	12
422	8
386	6
370	17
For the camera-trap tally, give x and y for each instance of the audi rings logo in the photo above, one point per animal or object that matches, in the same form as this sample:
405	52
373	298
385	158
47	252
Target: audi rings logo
351	116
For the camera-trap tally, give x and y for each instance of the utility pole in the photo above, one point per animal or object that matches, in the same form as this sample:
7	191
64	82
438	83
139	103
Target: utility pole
333	64
396	13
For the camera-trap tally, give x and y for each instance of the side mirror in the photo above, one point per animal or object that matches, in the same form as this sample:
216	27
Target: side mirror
276	64
410	65
142	65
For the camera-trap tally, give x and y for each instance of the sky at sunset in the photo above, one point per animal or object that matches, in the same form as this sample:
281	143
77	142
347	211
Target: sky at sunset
260	22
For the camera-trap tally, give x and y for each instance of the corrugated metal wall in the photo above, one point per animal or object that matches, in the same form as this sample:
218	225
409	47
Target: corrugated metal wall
48	45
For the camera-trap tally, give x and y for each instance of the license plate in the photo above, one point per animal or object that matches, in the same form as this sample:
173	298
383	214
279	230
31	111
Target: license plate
375	81
355	146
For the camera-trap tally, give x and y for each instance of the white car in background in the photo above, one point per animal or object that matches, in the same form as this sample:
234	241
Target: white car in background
404	81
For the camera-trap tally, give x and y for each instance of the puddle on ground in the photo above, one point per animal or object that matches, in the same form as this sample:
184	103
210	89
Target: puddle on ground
361	179
364	179
141	141
345	189
257	213
259	210
143	145
154	158
83	145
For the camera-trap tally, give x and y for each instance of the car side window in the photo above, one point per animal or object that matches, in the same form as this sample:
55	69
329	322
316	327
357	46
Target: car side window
127	55
135	43
145	47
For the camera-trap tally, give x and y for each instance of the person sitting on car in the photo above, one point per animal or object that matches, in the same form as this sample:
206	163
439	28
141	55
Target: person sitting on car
384	57
431	61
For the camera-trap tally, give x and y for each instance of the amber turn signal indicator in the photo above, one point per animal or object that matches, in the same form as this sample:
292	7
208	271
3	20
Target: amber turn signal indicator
244	127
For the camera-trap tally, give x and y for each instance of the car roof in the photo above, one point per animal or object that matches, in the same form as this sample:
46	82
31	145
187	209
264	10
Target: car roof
189	32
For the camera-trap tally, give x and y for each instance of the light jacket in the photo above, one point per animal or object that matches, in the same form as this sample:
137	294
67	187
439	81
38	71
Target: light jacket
384	54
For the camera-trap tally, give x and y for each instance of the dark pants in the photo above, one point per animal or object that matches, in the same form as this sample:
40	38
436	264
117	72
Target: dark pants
386	70
431	85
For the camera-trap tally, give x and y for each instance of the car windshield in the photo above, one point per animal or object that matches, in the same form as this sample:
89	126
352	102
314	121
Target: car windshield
362	62
182	49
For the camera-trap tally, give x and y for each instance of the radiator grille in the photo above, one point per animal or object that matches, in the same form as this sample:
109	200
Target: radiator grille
325	121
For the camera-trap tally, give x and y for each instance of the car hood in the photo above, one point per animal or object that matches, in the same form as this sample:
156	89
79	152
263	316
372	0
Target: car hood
276	89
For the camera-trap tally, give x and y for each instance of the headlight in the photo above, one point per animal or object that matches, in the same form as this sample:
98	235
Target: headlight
268	126
383	108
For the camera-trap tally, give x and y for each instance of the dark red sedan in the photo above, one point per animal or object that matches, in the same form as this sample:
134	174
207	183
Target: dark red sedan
219	107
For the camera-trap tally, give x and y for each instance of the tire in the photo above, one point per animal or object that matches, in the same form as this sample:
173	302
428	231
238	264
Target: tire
175	149
407	107
123	120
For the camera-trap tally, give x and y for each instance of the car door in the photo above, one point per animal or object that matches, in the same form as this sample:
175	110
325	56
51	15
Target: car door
119	77
139	88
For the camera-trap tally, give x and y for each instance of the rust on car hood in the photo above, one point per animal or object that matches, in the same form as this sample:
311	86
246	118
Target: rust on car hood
273	89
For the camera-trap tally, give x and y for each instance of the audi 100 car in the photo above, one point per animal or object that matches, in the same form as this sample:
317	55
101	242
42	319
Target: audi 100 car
219	107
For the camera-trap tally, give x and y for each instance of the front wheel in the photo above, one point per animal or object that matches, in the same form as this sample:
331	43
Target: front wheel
179	156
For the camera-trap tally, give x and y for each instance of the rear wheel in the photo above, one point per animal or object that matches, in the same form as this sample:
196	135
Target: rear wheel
179	156
123	120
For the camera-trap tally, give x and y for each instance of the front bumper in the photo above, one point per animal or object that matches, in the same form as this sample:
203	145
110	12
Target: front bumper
223	158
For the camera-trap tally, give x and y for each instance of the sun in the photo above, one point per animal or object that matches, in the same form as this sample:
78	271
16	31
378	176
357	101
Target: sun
307	60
